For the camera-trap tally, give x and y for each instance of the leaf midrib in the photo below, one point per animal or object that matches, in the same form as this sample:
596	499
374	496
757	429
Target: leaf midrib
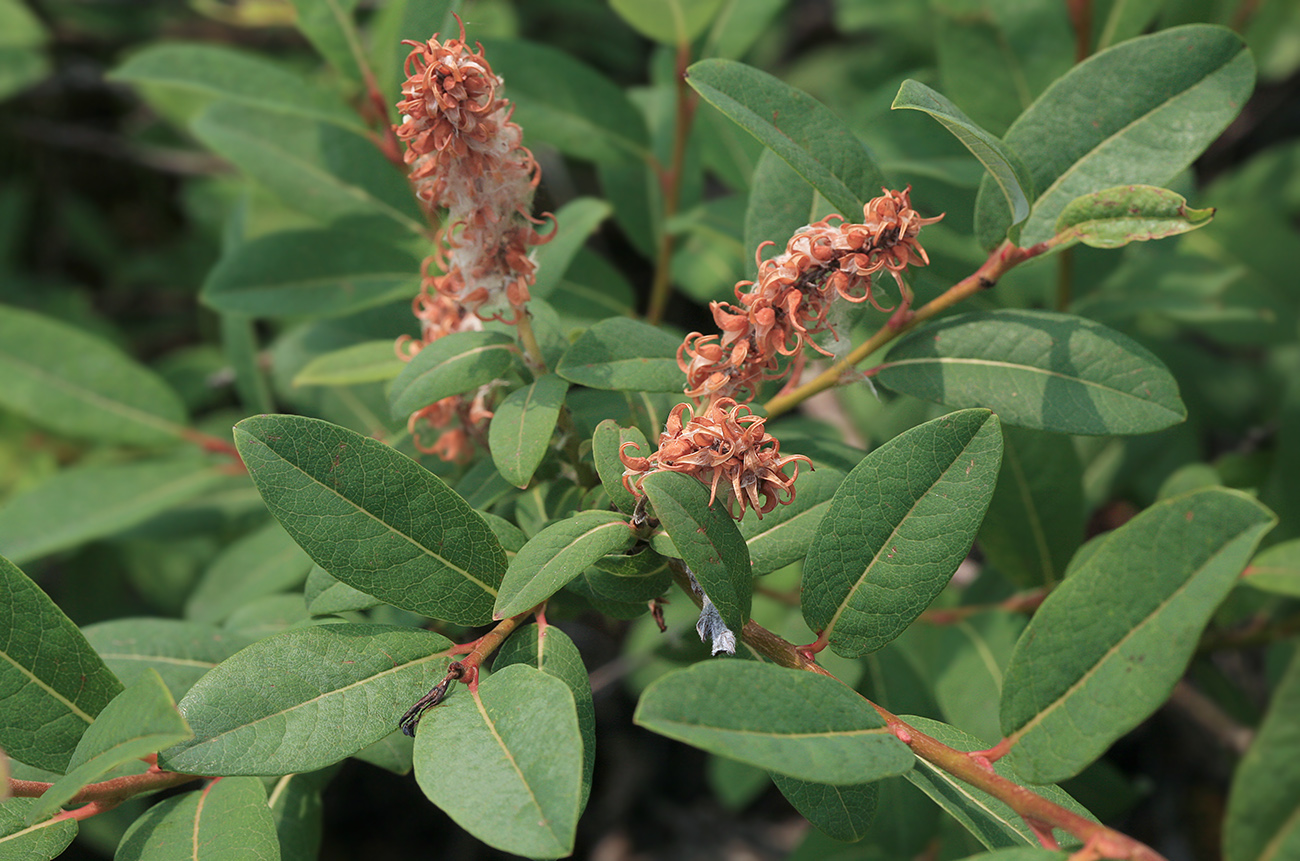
40	683
962	360
510	758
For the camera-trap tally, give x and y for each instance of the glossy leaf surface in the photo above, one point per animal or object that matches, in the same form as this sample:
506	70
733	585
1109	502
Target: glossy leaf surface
804	725
1039	370
1079	680
374	518
897	528
306	698
519	735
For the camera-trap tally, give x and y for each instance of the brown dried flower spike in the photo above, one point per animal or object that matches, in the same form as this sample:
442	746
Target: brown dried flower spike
725	446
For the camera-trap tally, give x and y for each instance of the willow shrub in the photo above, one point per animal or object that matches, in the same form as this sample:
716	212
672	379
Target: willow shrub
411	507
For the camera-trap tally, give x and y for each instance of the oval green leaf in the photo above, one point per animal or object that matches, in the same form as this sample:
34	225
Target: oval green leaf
842	812
640	577
369	362
1004	166
574	224
374	518
669	22
40	842
226	820
794	125
897	529
804	725
1114	217
548	649
558	554
52	684
708	541
1039	370
303	699
73	383
606	442
265	562
1277	569
1079	679
452	365
522	425
1167	96
310	272
518	734
625	355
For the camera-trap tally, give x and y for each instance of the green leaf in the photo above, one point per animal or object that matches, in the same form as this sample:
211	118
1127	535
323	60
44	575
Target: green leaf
708	541
52	684
325	595
303	699
640	577
556	555
606	442
209	72
670	22
517	734
41	842
1080	678
625	355
74	383
1002	163
265	562
1036	518
842	812
804	725
1168	95
794	125
394	752
310	272
374	518
576	221
1114	217
521	428
367	362
1277	569
1262	824
320	169
897	528
330	27
139	721
452	365
550	650
568	104
991	821
298	810
239	343
83	503
785	533
1039	370
180	652
227	820
967	663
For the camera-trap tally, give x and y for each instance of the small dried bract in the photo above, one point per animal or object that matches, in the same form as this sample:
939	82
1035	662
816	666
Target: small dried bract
726	447
790	301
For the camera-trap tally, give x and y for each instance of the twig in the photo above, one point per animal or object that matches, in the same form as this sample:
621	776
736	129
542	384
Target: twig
670	181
